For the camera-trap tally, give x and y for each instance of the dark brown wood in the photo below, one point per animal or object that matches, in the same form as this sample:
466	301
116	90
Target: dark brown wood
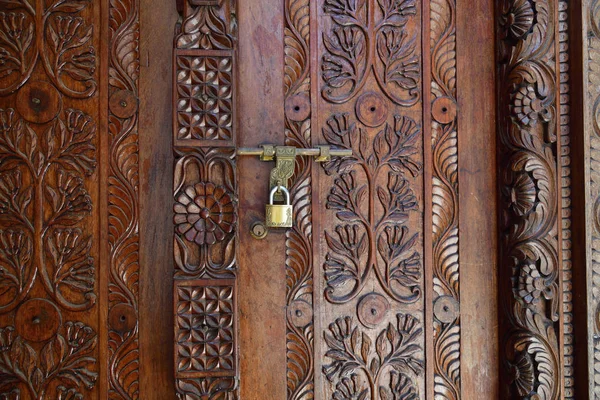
443	259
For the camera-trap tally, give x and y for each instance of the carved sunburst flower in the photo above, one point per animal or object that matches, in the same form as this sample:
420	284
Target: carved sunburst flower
522	374
519	19
531	284
521	194
204	213
528	107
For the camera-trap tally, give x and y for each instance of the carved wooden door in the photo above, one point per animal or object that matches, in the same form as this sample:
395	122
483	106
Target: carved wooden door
434	262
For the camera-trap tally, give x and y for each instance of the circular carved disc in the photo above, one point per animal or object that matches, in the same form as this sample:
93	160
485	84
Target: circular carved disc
444	110
445	309
122	318
371	109
38	102
300	313
372	309
37	320
297	108
123	103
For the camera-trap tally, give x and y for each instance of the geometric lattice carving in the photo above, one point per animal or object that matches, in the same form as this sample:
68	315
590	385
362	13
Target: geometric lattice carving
204	98
204	331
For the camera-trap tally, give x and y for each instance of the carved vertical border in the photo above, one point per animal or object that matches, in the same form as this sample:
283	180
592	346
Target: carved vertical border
299	243
123	200
50	186
205	201
565	197
445	238
592	115
534	222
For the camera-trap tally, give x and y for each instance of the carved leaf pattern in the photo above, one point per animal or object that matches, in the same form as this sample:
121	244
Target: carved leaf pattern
529	224
393	151
364	39
386	366
66	358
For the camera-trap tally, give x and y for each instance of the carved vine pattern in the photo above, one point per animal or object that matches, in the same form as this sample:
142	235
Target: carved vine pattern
367	242
205	203
382	370
299	243
51	33
123	203
47	157
445	199
375	36
529	262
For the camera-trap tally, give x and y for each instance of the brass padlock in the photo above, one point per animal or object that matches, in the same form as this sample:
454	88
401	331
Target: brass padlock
279	215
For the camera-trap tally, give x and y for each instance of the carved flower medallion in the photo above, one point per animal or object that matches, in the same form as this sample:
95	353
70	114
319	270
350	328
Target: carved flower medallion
528	107
521	194
519	19
204	213
531	285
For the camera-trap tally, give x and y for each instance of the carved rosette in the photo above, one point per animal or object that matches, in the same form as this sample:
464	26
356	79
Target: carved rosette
532	261
205	202
49	195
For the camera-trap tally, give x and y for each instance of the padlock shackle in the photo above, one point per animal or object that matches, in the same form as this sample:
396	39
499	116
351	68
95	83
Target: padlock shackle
284	190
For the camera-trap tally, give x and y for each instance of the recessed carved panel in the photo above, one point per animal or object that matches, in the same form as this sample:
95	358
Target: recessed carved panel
204	97
205	333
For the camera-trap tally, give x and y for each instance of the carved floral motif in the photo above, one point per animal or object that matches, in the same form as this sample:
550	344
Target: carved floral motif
204	213
367	38
366	242
529	225
384	369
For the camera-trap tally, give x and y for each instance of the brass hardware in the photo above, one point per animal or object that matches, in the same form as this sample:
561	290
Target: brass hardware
279	215
258	230
285	162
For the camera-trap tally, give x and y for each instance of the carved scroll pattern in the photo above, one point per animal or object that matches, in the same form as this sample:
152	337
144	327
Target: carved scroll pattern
446	293
48	195
205	202
529	261
123	203
299	244
593	113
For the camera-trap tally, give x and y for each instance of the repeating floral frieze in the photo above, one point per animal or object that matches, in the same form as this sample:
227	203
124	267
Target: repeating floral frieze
529	223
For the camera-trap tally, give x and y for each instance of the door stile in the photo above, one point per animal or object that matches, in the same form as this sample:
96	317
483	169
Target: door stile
205	201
